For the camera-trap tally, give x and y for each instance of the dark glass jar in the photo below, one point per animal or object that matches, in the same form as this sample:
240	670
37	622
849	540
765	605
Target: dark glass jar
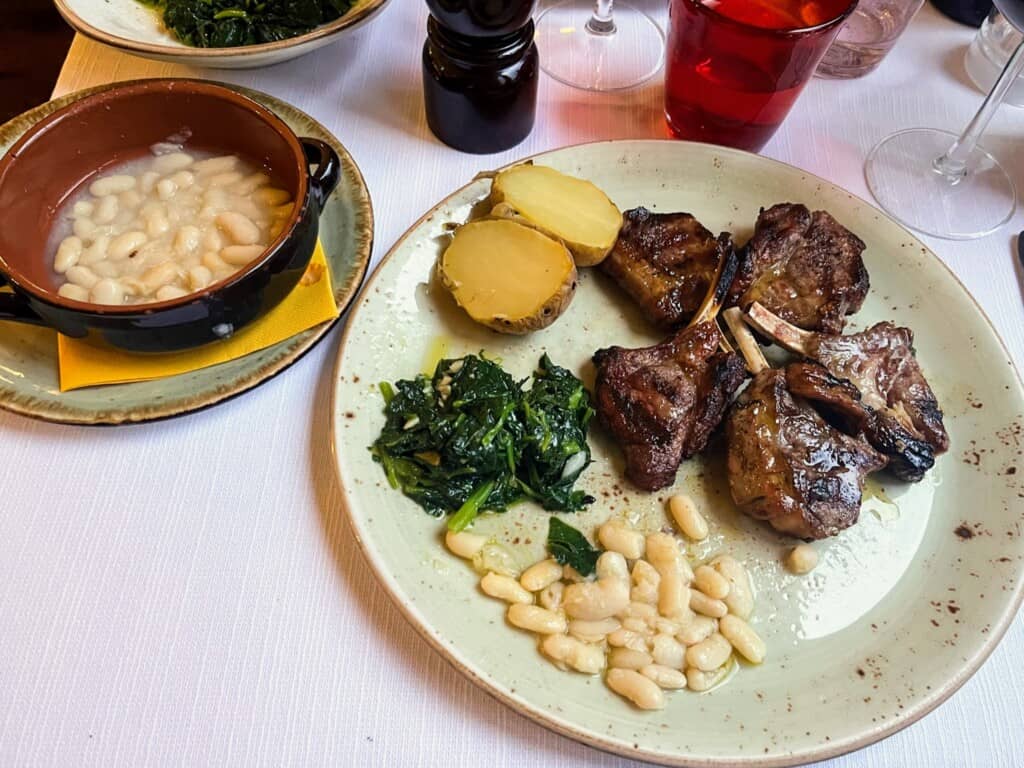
481	18
480	91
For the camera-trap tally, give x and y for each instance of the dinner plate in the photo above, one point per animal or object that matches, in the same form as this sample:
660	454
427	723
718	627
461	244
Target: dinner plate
134	27
902	608
28	355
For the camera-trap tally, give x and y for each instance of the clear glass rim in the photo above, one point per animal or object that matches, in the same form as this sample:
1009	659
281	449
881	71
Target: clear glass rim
784	32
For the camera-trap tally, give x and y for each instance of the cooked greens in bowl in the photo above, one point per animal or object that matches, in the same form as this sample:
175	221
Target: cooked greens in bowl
231	23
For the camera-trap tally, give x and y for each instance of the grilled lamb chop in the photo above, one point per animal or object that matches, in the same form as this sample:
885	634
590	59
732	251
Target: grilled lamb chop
786	464
805	267
901	416
661	403
667	263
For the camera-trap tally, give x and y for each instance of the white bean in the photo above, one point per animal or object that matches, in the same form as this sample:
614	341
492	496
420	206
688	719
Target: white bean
551	597
187	240
157	224
536	619
540	575
73	292
580	656
665	626
240	255
627	658
740	599
123	246
644	693
107	291
182	179
169	292
212	241
68	253
162	274
172	162
802	559
95	252
592	631
463	543
275	230
743	638
284	211
238	227
645	583
106	209
148	180
593	600
667	651
272	196
700	681
82	276
709	654
673	593
251	183
636	624
505	588
165	189
106	269
664	677
224	179
698	629
215	164
619	536
131	199
83	227
111	185
626	638
711	582
690	521
707	606
639	610
82	208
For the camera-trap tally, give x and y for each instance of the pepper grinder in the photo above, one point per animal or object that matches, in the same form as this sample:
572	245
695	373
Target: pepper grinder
480	70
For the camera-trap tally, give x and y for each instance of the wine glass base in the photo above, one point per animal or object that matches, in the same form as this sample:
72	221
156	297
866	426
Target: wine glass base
901	175
572	54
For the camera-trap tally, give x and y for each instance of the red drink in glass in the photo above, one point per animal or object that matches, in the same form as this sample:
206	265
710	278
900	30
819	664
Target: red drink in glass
735	67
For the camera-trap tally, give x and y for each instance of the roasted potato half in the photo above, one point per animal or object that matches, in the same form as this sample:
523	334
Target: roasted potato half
508	276
569	209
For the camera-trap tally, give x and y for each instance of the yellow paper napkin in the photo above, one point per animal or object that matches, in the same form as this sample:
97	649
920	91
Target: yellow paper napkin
85	364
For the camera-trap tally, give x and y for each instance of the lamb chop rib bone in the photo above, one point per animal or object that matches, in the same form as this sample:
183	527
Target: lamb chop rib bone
661	403
897	411
786	464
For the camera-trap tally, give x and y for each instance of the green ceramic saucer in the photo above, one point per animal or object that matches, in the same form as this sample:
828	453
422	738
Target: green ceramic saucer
28	355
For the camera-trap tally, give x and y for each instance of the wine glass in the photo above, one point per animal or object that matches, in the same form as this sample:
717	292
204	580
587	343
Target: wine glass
585	45
947	185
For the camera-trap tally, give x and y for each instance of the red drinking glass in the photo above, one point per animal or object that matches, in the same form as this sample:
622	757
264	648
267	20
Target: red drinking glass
734	68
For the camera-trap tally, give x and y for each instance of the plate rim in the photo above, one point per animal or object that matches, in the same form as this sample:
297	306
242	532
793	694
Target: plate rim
167	410
553	722
350	20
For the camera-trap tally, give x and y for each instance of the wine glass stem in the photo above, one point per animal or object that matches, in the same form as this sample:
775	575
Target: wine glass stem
953	164
601	22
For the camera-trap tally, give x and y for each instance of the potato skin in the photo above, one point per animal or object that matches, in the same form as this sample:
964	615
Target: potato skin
546	314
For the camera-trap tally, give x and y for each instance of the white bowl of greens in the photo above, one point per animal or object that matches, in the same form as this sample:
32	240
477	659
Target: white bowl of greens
229	34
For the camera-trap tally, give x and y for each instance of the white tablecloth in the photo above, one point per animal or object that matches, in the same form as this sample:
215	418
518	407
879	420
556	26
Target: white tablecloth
186	592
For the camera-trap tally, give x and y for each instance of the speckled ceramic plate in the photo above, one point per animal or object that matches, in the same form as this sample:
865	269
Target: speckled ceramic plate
28	355
903	607
131	26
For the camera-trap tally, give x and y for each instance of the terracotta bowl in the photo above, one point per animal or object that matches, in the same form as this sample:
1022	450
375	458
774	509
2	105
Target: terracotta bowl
71	146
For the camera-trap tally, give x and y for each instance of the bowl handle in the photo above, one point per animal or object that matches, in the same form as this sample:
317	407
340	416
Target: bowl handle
13	307
324	179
